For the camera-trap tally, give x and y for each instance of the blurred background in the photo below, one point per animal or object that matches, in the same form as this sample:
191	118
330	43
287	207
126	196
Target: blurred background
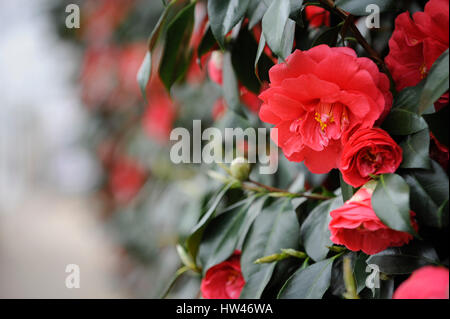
65	95
85	173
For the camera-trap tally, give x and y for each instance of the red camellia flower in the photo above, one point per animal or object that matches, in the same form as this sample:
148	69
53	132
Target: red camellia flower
356	226
317	16
225	280
318	97
428	282
416	44
368	152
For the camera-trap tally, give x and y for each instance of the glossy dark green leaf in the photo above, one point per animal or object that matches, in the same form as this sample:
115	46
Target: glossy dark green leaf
224	15
206	44
255	12
221	236
259	52
347	190
390	201
314	233
309	283
429	194
359	271
175	58
193	240
359	7
408	98
287	42
404	260
328	37
403	122
437	82
274	26
415	150
243	56
257	9
257	282
230	86
275	227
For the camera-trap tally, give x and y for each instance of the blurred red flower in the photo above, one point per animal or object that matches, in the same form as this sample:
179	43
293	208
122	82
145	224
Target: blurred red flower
317	16
126	179
428	282
160	113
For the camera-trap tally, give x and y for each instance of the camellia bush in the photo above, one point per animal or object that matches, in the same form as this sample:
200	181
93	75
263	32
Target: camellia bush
355	95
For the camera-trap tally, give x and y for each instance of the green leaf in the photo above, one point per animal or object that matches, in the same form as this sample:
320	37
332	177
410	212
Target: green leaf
358	7
415	150
390	201
403	122
437	82
346	189
429	195
287	42
261	46
408	98
206	44
222	235
273	26
230	86
314	233
404	260
145	70
255	12
276	227
309	283
359	271
176	58
257	282
328	37
257	9
243	55
193	240
224	15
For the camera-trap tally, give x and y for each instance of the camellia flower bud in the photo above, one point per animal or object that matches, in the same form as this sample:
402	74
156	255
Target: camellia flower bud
240	168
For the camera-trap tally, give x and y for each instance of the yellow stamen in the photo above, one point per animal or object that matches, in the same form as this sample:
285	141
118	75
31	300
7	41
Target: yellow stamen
318	118
423	71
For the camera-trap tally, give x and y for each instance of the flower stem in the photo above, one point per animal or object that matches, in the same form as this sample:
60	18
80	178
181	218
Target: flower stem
179	272
285	193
